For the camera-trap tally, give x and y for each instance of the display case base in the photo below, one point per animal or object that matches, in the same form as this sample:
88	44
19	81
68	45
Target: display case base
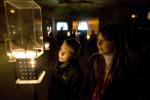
18	81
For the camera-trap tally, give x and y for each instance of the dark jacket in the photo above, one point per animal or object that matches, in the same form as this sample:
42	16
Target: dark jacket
65	81
119	85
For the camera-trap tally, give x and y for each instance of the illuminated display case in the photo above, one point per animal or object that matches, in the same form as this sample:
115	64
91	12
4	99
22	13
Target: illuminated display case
25	38
24	26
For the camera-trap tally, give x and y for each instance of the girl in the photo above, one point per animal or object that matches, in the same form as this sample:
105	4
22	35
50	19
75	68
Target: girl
67	76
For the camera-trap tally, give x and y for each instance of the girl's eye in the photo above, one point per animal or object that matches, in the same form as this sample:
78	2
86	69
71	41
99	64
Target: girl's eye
60	49
102	40
68	53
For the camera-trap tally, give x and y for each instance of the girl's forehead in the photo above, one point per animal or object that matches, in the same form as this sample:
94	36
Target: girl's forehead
66	47
100	36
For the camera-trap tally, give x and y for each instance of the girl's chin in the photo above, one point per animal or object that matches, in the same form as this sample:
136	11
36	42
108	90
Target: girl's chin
61	60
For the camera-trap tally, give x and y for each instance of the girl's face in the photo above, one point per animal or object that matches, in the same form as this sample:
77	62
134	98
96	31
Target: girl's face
65	53
104	46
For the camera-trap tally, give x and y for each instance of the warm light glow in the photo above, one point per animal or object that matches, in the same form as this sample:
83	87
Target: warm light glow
12	11
87	36
75	24
148	17
41	37
48	30
46	45
14	32
21	53
11	58
133	16
68	33
32	62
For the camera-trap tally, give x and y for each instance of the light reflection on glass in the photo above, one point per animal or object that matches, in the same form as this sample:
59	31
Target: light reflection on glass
21	53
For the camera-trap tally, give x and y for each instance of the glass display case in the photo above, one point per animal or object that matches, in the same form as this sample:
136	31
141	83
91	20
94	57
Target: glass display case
24	43
24	27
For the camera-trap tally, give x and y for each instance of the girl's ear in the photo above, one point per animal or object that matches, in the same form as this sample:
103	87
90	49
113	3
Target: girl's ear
74	56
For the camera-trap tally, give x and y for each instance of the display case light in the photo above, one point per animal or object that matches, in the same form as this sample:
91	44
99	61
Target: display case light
31	81
20	54
12	11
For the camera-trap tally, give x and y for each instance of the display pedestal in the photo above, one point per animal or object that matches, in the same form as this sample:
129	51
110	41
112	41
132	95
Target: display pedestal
34	83
31	81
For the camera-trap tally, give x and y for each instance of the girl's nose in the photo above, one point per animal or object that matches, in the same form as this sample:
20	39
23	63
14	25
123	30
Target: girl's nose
99	42
62	53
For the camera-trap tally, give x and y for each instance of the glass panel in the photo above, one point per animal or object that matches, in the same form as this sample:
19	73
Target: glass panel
24	26
23	4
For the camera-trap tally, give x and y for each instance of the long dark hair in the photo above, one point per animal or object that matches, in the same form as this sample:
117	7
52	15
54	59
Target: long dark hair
114	33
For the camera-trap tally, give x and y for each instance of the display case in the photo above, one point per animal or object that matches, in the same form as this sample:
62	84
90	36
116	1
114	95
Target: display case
25	38
24	27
